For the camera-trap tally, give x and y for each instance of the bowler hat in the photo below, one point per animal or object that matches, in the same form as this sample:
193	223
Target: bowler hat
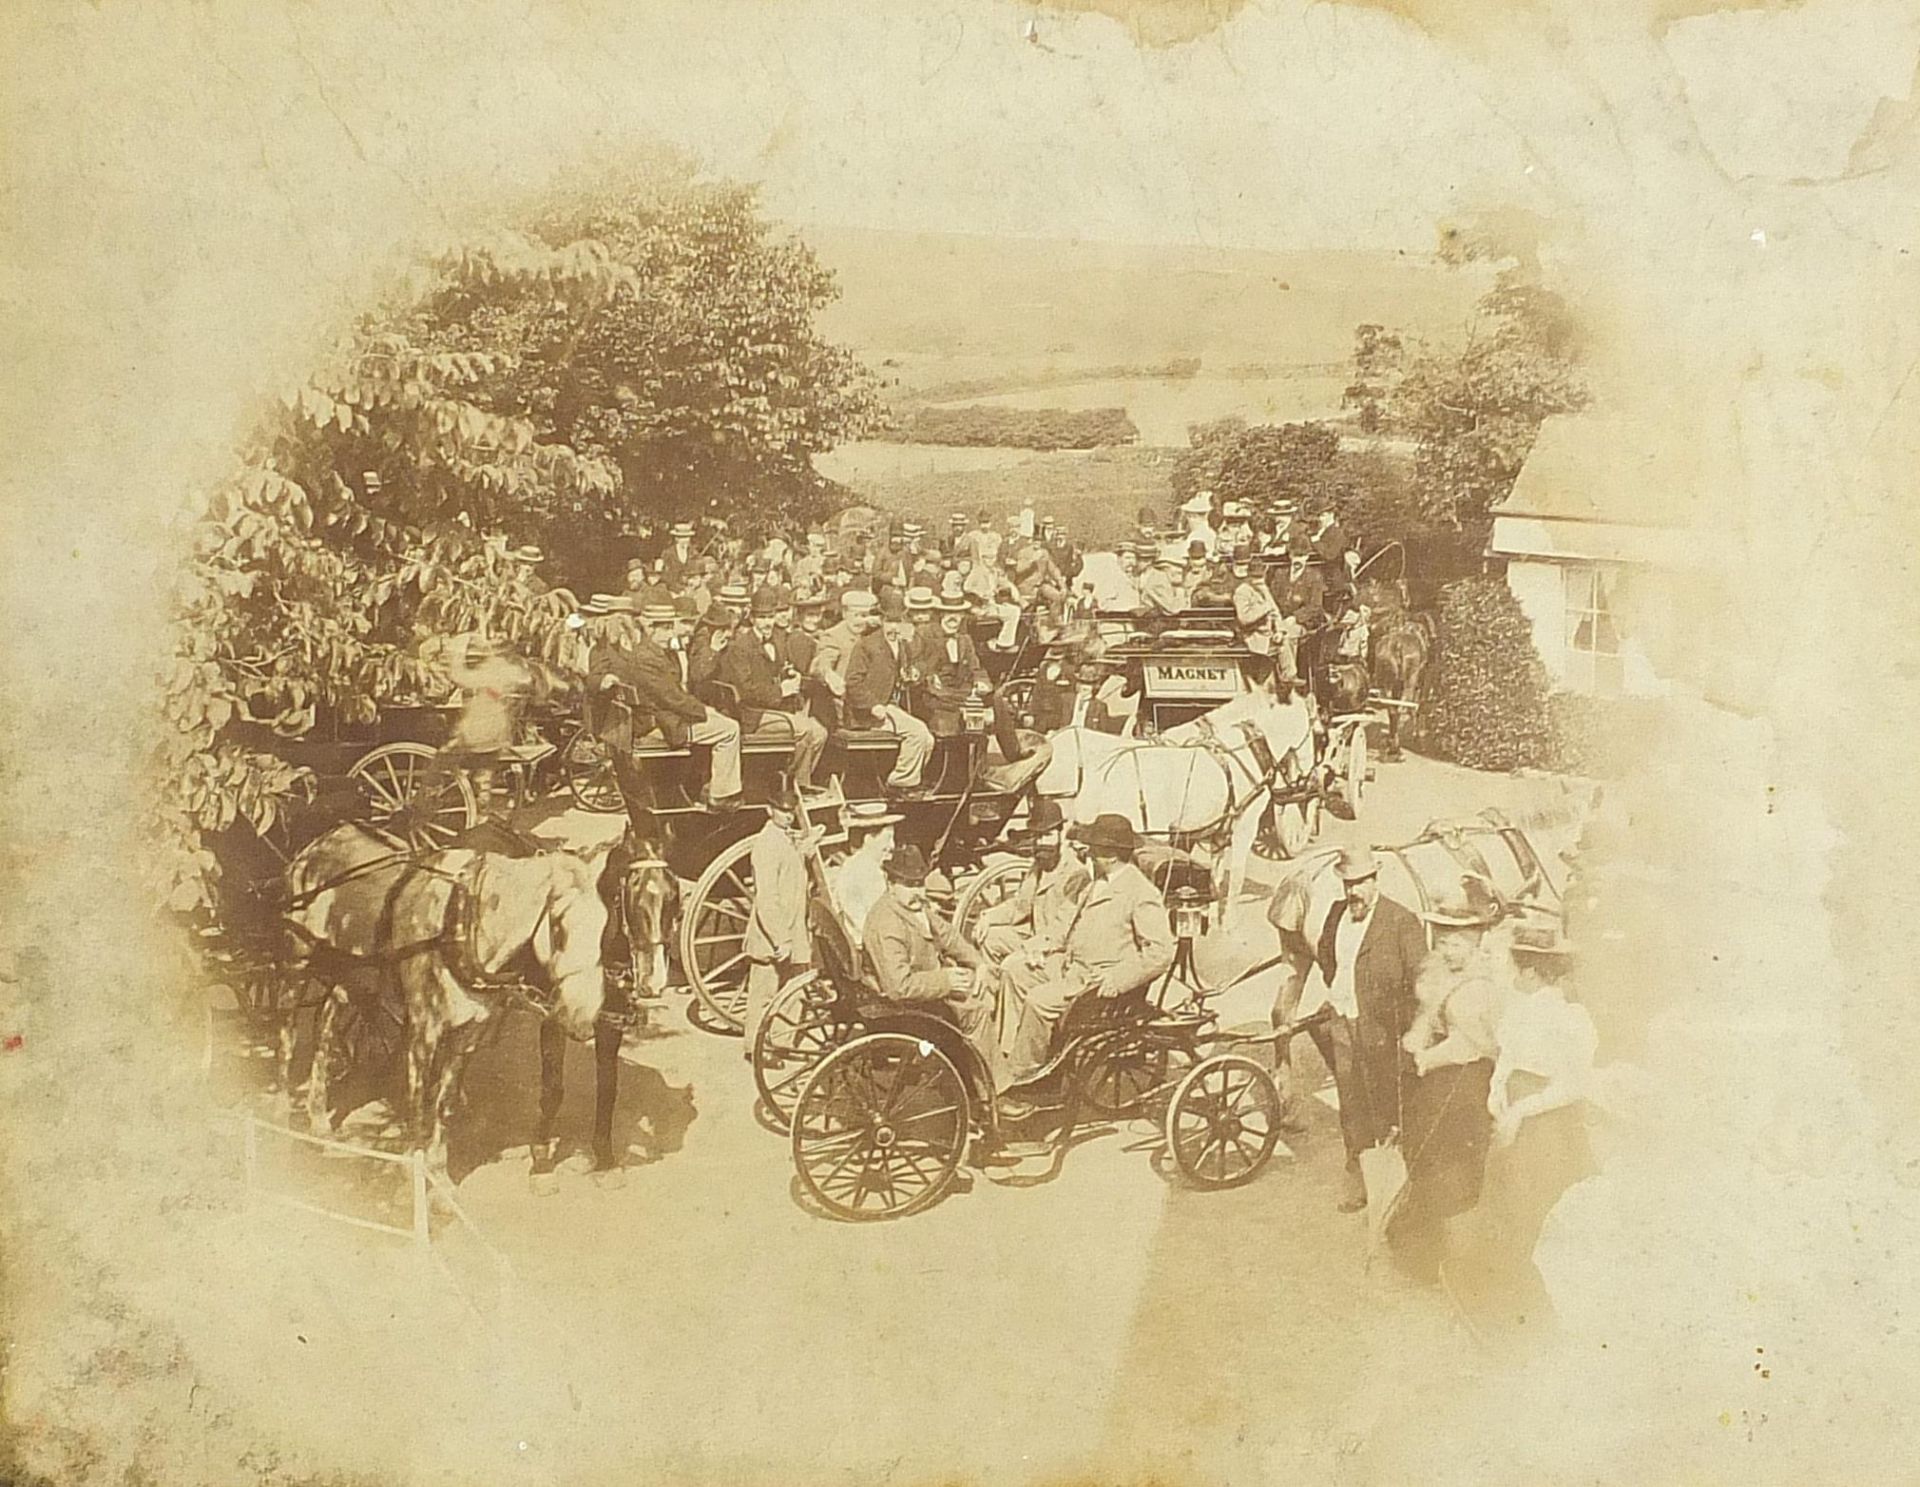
906	865
1046	815
767	601
1107	833
893	605
1356	864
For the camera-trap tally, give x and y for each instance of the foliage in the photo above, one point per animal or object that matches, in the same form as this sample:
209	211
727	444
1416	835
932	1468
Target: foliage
1602	737
1018	428
1267	462
701	379
1489	705
1474	415
650	353
1379	358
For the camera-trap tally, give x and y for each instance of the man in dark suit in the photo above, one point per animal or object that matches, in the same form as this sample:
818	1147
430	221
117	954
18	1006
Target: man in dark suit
876	672
652	677
1367	959
670	568
766	685
1300	593
949	667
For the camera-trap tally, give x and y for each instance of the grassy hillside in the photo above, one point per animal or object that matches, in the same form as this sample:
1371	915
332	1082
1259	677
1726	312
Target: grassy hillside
940	308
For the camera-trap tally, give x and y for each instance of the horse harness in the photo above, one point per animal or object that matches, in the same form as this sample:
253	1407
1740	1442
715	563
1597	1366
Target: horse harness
457	939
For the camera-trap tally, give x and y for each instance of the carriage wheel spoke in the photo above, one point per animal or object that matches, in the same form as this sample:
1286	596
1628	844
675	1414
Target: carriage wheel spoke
713	972
910	1120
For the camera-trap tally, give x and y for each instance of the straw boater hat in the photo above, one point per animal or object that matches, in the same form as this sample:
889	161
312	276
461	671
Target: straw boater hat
1474	907
733	595
870	815
953	593
659	614
811	599
1199	504
680	529
920	599
914	529
601	604
1107	833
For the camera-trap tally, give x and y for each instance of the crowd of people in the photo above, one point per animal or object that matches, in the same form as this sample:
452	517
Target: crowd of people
872	628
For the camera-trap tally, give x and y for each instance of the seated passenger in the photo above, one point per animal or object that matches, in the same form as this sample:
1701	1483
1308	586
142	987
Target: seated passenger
758	665
652	675
1161	590
873	685
949	667
1042	907
1118	942
917	957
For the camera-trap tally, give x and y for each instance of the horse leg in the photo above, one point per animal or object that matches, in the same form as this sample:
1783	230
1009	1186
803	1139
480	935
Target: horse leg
1246	827
451	1066
546	1146
606	1092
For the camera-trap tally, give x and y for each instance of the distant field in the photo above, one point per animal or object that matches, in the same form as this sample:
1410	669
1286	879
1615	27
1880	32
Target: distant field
1163	409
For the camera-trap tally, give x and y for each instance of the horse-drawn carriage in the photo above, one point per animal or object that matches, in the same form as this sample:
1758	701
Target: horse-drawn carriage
883	1101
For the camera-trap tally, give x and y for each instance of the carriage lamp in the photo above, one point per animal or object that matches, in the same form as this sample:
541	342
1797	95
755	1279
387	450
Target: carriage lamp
1189	914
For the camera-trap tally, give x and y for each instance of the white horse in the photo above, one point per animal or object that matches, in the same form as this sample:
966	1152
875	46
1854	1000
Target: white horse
429	933
1205	779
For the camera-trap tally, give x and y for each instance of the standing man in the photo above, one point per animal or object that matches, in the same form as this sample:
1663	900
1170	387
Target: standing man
1198	511
810	567
767	683
652	675
917	956
1118	942
670	570
1300	594
1367	961
873	689
1256	618
777	942
1339	558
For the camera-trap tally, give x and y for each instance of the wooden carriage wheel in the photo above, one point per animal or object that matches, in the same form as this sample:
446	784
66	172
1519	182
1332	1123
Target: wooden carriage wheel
587	765
994	886
1353	774
412	792
713	934
1223	1121
881	1128
1121	1077
801	1028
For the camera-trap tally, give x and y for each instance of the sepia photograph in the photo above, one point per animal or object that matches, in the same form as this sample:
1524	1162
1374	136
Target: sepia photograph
962	742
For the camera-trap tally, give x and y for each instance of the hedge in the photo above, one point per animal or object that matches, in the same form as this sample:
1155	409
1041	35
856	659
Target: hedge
1489	706
1018	428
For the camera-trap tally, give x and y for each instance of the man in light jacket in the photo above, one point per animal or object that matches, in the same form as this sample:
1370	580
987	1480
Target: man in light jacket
778	944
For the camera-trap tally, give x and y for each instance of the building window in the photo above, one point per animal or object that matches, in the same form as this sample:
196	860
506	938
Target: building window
1593	634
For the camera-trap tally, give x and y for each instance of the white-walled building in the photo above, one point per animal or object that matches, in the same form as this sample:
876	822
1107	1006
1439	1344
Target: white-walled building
1601	554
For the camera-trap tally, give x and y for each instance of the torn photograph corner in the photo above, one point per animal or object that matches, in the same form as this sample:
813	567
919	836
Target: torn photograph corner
1011	742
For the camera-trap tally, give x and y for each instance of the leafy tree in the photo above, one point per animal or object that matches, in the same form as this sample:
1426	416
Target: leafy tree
1379	358
1265	462
558	387
1474	414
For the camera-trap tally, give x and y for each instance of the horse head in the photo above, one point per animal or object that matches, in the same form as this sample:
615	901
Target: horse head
637	872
